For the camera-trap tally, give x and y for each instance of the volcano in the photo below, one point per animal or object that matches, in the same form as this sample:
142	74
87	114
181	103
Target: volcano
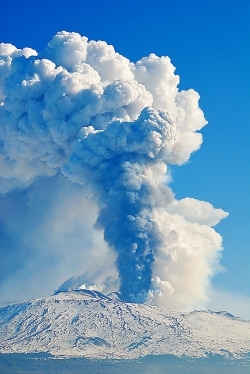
88	324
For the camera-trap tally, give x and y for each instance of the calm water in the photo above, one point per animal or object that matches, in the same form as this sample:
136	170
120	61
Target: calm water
46	364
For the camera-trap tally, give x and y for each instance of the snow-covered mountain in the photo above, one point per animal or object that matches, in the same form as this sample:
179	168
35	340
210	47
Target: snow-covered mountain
87	323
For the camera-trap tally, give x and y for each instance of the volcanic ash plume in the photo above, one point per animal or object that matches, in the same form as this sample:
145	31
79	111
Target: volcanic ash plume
80	110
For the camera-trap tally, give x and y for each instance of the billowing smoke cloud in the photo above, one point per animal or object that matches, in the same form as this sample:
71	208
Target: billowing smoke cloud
80	110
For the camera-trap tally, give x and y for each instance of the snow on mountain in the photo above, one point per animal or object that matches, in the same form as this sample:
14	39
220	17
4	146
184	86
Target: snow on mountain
90	324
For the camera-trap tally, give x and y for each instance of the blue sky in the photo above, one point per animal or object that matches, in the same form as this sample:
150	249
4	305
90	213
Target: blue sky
208	43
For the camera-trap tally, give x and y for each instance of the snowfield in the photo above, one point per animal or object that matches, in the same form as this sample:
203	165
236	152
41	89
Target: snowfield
89	324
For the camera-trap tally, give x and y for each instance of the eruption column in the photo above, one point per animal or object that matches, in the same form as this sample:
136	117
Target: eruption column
80	110
119	160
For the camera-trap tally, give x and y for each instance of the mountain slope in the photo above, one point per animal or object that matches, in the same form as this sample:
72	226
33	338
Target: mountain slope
89	324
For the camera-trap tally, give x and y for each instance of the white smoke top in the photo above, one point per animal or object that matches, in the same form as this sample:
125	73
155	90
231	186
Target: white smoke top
80	110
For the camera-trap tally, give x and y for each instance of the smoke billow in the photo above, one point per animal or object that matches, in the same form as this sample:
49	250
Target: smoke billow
80	110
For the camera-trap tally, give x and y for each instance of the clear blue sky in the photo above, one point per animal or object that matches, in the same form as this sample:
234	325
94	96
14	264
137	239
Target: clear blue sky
208	42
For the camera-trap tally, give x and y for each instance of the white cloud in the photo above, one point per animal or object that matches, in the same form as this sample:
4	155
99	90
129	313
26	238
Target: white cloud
81	112
197	211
